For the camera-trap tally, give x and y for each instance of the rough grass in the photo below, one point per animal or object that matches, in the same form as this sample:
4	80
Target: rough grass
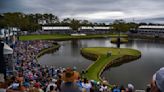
122	40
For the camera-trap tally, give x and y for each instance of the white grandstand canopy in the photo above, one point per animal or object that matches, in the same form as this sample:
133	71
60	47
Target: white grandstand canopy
151	27
7	49
56	28
96	27
86	27
101	27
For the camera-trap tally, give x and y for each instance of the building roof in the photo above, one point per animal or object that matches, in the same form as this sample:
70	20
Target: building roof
56	28
95	27
98	27
86	27
151	27
7	49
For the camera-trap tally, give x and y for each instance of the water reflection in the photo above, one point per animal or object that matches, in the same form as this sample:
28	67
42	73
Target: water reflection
140	71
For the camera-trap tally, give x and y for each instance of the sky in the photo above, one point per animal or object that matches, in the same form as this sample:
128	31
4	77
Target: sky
92	10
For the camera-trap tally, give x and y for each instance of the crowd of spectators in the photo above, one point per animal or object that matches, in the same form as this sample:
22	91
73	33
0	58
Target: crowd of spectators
30	76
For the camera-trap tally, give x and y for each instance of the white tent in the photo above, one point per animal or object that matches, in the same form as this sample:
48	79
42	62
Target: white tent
7	49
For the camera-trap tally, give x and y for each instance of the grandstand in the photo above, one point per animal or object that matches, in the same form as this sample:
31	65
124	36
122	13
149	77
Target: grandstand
82	29
94	30
102	30
153	30
57	29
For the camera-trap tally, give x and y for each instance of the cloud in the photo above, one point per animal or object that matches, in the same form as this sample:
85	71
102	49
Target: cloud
97	15
94	10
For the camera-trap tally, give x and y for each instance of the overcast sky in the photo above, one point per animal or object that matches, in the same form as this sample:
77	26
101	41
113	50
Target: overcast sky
93	10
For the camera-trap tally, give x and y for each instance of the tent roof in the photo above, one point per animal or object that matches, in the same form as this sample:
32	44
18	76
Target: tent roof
7	49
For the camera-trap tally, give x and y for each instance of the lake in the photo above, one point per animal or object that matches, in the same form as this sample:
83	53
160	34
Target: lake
138	72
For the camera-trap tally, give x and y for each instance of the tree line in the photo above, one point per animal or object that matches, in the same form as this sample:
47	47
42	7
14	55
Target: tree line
33	22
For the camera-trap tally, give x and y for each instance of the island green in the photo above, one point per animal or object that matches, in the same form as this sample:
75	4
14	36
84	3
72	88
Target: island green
106	57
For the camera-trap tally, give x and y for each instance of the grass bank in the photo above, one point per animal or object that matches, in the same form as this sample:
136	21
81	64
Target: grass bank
64	37
104	60
46	50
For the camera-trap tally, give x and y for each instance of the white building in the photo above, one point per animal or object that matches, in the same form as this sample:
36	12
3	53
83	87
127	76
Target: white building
53	28
156	30
57	29
6	32
102	28
42	21
84	28
151	30
94	28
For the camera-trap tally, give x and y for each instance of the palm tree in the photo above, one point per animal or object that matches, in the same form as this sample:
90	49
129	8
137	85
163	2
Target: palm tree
120	26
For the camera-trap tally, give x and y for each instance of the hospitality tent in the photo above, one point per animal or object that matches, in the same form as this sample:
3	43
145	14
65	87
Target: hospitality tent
7	49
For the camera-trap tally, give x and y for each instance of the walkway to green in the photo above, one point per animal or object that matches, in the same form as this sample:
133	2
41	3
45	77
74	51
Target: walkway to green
103	60
63	37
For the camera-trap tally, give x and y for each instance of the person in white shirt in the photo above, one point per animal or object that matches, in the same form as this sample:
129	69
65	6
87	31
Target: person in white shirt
87	85
103	88
53	83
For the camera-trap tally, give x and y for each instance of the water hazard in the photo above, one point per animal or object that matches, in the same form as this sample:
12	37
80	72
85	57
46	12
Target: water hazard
138	73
